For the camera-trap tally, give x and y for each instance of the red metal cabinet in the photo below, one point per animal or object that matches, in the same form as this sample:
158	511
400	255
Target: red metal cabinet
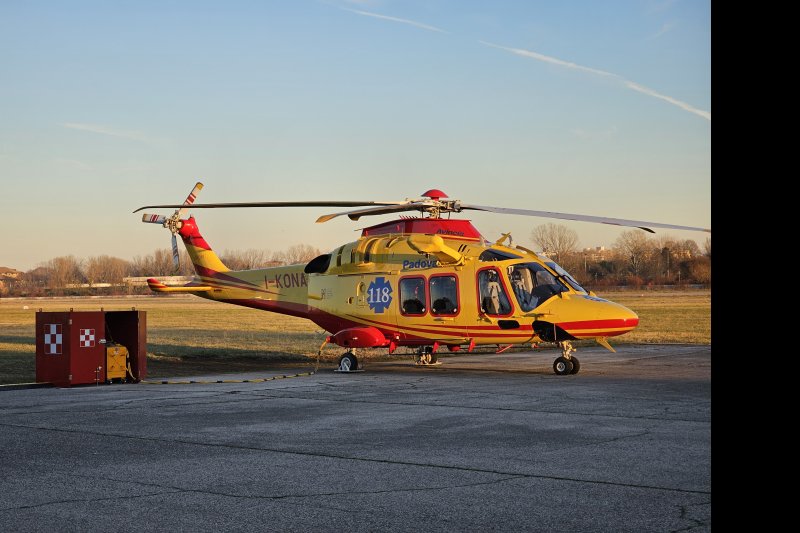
71	346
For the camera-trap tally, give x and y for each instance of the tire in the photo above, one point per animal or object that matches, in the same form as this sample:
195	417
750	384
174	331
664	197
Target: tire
562	366
576	365
348	363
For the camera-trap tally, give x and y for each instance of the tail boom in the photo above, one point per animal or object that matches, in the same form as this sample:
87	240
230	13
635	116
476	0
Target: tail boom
158	286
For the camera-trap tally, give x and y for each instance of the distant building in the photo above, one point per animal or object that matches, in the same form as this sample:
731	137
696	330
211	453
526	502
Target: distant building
7	277
141	281
598	253
9	273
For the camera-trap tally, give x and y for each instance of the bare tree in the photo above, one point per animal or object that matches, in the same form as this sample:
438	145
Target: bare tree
635	248
299	253
700	269
707	247
246	259
63	271
555	240
159	263
105	269
687	249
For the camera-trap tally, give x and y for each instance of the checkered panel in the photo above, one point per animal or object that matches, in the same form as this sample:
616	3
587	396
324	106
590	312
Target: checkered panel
53	339
87	338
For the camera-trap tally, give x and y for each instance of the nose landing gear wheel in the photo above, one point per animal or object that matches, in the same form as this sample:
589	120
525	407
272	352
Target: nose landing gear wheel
567	363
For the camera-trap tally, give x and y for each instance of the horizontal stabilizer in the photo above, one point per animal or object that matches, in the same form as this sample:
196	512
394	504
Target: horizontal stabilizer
157	286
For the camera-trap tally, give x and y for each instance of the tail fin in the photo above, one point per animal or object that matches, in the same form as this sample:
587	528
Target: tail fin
205	260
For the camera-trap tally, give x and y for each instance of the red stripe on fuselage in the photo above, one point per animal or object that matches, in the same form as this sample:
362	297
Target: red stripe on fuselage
611	323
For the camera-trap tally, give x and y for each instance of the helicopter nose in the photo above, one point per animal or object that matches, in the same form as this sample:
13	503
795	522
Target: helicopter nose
601	318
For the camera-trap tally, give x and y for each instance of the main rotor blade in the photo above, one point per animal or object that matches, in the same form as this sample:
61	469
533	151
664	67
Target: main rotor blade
641	224
358	213
270	204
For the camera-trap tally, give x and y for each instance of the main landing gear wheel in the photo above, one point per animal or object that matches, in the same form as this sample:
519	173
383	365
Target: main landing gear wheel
562	366
425	356
348	362
576	365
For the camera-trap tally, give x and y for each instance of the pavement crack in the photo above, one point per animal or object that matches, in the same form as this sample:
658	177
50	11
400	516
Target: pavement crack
271	395
329	455
87	500
695	523
171	489
602	442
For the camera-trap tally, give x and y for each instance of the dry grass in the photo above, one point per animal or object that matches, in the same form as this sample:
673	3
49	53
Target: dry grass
666	316
188	335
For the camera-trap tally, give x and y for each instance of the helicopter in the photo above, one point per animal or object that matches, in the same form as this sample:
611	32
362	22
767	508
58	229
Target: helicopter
423	282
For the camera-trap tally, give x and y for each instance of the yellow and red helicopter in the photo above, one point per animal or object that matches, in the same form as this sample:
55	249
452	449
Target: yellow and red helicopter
424	282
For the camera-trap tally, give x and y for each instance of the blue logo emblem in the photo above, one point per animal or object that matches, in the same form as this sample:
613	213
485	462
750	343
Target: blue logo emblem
379	294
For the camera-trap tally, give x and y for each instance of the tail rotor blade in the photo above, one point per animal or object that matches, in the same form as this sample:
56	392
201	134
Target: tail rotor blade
154	219
176	261
190	199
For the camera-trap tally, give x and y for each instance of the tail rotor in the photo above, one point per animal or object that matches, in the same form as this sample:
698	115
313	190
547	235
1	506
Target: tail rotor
174	222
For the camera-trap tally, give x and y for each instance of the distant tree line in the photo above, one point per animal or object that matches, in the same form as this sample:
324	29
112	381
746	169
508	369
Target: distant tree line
69	275
636	259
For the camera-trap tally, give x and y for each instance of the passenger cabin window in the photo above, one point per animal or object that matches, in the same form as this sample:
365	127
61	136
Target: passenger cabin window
493	297
444	295
412	296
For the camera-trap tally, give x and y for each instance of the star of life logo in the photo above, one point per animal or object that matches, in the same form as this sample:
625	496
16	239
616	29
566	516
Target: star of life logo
53	339
87	338
379	294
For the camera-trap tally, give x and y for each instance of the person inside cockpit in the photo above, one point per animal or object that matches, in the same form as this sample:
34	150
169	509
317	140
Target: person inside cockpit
522	285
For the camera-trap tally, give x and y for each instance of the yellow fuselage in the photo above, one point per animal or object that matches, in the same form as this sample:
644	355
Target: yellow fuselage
367	283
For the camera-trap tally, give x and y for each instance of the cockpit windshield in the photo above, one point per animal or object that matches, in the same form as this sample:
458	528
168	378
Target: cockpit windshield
533	284
565	275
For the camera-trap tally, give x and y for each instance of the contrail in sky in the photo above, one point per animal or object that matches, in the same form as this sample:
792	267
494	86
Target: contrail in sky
555	61
395	19
629	84
102	130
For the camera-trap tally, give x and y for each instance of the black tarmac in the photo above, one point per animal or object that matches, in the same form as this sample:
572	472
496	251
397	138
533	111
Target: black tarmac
478	443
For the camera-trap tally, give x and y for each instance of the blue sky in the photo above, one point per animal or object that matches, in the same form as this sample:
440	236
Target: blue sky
599	108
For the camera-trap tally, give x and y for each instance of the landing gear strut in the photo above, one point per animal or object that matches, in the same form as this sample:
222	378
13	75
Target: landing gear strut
567	363
425	356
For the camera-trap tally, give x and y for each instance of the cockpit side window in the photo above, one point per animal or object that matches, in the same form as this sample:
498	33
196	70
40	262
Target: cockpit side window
533	284
567	277
491	293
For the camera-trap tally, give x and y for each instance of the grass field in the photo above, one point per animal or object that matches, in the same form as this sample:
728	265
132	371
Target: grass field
188	335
